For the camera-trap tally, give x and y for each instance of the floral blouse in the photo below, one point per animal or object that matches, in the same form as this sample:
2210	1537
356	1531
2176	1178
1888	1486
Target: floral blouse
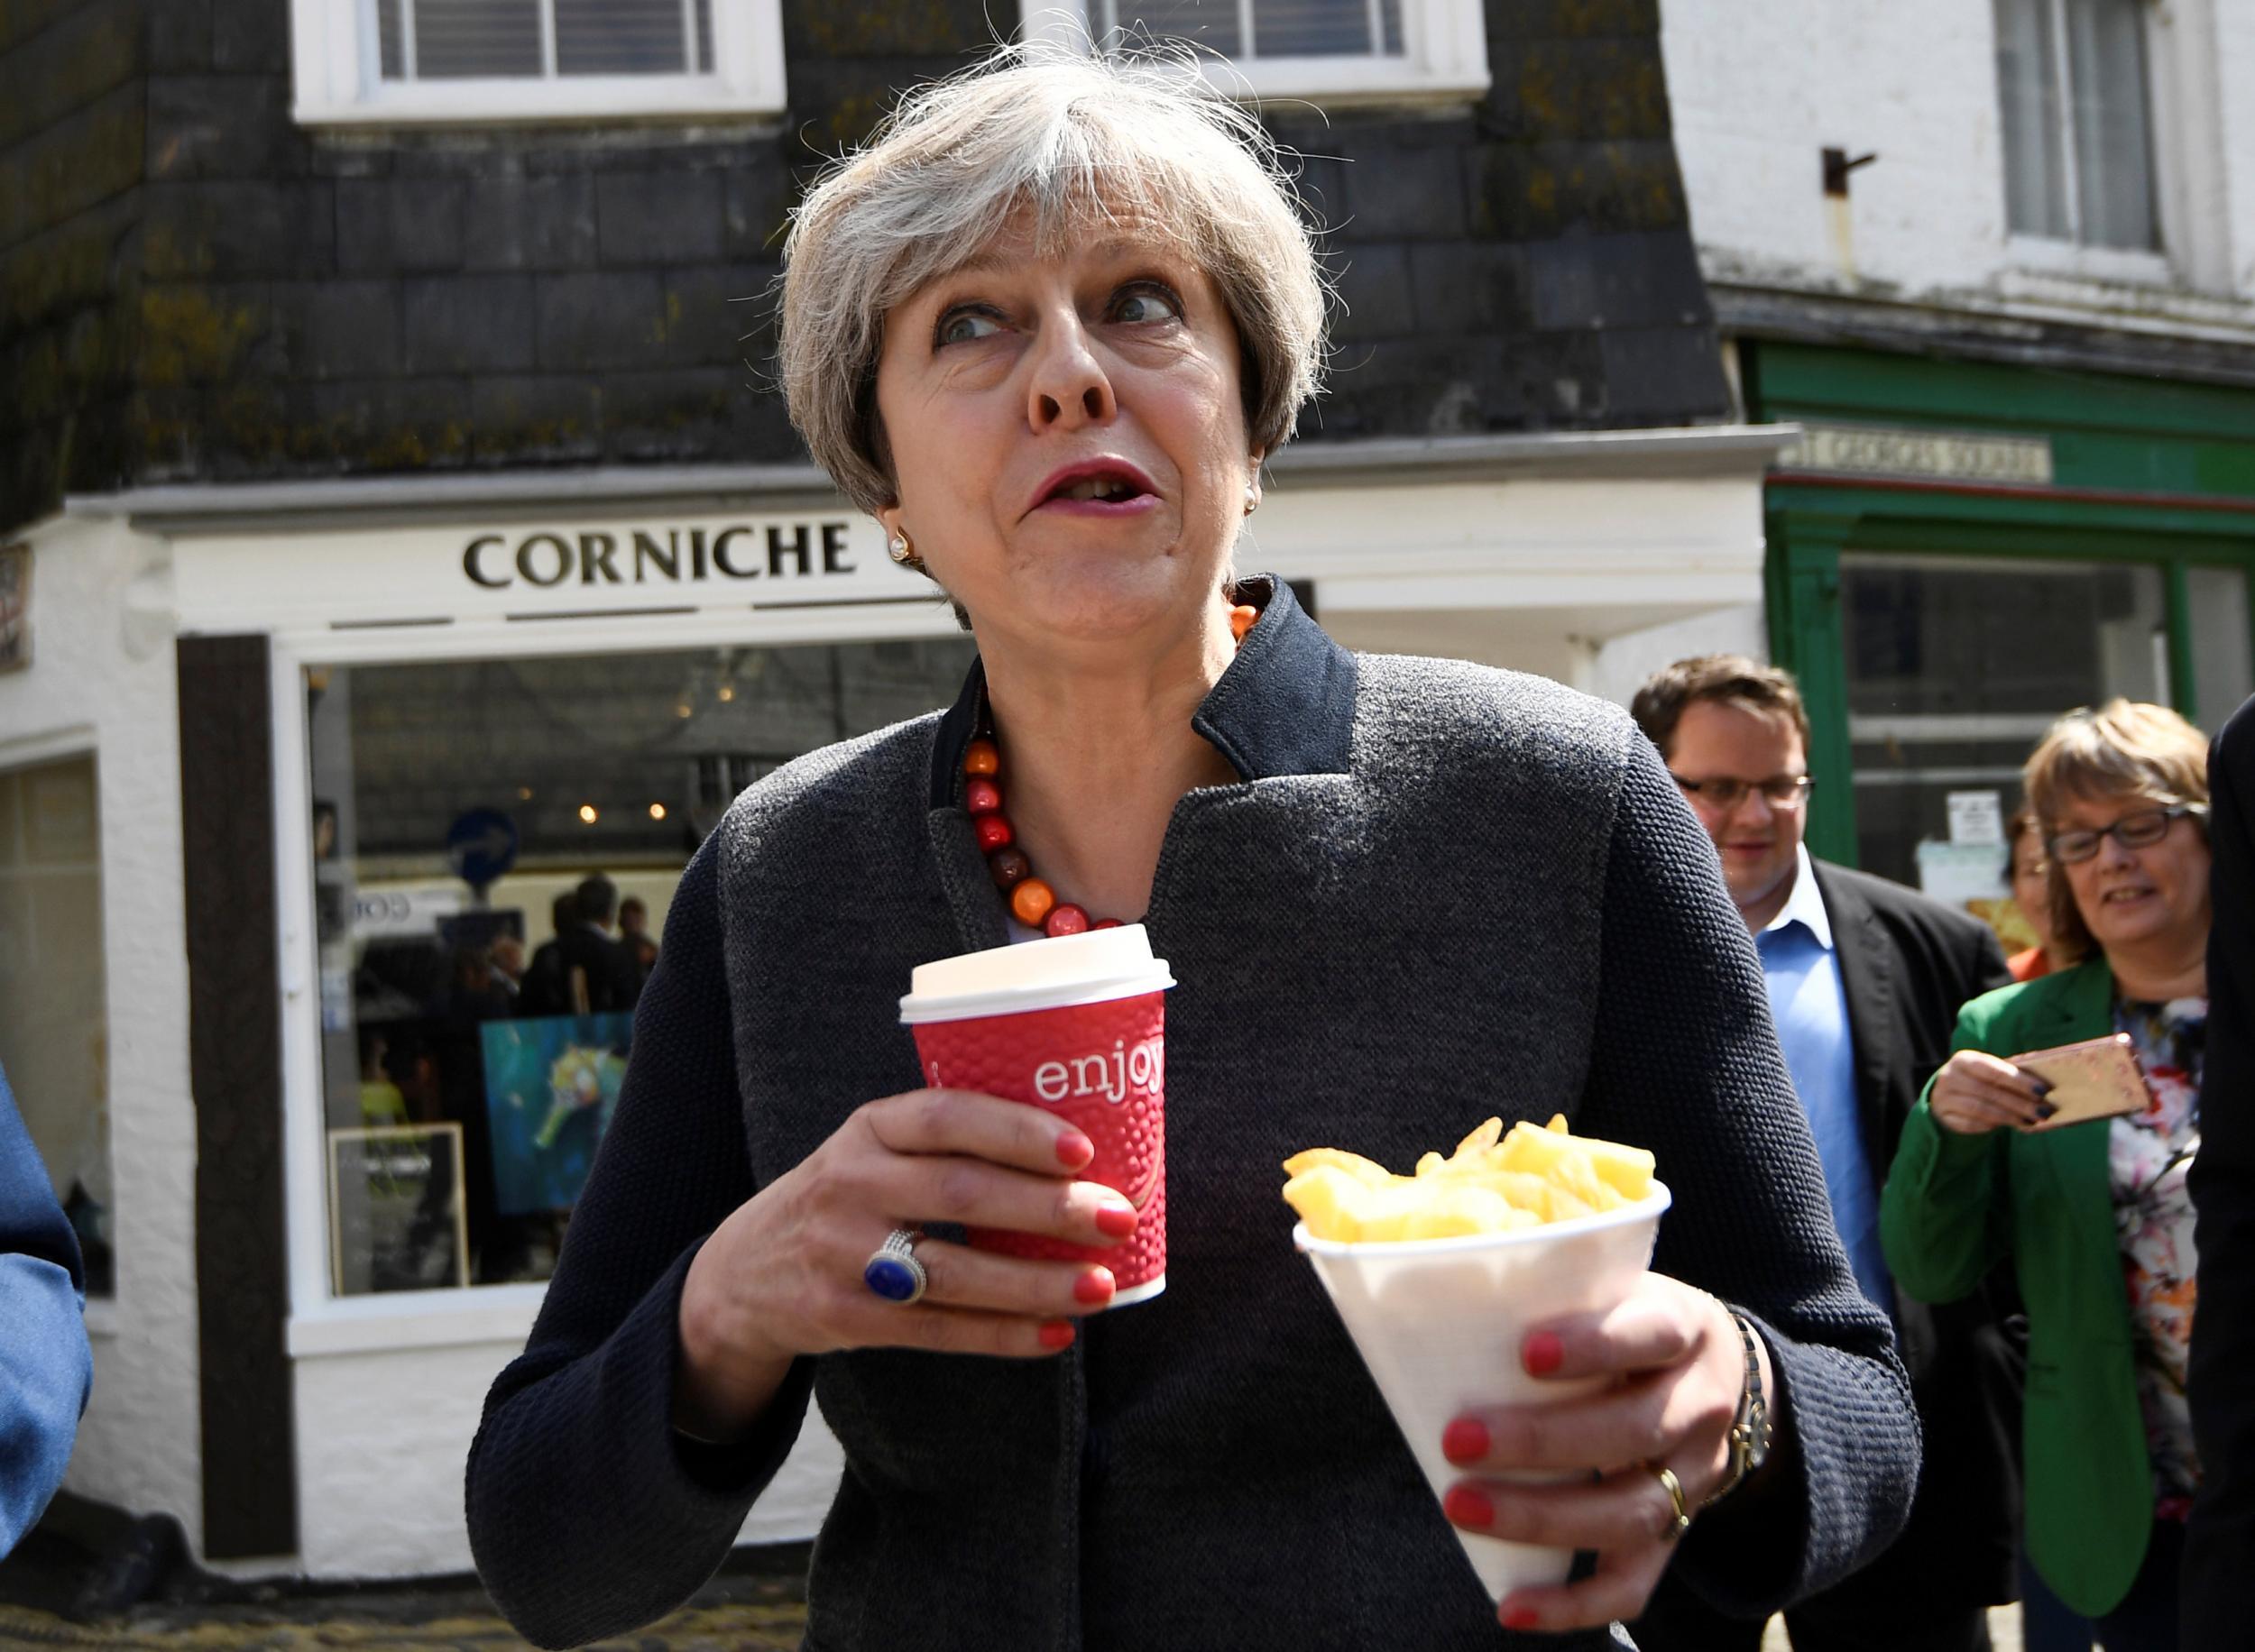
2147	1154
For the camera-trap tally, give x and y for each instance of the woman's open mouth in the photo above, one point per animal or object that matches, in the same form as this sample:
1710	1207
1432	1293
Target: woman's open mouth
1097	488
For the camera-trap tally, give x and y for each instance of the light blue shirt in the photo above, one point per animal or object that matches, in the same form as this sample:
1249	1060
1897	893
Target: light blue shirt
1810	1008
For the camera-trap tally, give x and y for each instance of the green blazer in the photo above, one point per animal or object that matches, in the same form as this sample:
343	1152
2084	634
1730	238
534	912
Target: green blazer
1955	1205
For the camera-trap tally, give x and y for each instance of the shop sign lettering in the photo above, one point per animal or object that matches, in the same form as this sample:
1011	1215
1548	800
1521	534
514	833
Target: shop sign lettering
1935	456
658	555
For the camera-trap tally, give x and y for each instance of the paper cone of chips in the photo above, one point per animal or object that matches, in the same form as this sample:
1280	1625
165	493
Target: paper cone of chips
1439	1321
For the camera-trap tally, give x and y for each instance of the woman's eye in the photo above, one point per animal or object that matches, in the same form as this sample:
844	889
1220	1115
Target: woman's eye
1146	304
962	326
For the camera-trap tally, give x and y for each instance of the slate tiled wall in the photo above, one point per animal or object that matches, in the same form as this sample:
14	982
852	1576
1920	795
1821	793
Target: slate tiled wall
192	288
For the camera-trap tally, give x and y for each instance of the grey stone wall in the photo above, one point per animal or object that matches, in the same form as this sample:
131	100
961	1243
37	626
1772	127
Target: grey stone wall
193	288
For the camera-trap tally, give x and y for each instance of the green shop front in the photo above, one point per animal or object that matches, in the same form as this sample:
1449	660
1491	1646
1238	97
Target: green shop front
1960	551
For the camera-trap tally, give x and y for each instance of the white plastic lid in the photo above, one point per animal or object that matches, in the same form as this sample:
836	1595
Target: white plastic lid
1055	972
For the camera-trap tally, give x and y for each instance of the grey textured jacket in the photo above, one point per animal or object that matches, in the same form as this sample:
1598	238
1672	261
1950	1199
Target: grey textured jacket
1438	892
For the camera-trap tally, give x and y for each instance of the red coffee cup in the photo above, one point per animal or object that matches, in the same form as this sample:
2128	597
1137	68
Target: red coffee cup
1075	1025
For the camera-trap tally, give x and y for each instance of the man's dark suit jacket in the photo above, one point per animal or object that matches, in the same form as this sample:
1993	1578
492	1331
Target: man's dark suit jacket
2220	1543
1907	965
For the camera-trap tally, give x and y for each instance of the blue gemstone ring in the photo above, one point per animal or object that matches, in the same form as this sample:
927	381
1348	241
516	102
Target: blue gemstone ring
893	1271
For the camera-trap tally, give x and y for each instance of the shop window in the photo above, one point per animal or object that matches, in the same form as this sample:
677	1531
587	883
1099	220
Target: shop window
54	1029
2073	86
2223	673
404	61
1334	51
1956	665
475	1027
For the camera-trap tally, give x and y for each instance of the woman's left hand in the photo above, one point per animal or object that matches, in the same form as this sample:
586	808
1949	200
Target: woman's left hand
1678	1370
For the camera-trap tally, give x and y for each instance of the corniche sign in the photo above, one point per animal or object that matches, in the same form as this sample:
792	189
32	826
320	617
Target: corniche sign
681	556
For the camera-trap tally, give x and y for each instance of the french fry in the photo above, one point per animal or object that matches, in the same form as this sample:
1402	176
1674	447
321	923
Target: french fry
1496	1182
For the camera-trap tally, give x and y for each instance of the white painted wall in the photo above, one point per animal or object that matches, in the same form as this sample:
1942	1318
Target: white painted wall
1758	87
382	1439
102	674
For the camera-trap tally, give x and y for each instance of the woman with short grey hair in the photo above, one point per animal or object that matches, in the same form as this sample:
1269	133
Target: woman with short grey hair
1046	328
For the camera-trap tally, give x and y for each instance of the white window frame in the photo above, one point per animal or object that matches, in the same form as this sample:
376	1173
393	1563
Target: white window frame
2185	128
322	1322
338	71
1443	61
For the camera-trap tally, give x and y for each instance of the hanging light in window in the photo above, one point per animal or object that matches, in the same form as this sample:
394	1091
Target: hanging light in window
588	814
658	811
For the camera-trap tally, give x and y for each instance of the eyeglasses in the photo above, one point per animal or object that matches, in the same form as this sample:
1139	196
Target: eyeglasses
1781	792
2139	830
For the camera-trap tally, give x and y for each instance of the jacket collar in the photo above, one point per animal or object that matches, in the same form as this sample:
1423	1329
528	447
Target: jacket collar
1867	987
1285	706
2081	1004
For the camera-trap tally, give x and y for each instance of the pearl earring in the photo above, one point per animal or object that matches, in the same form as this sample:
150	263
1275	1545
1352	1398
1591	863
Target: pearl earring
900	550
1252	498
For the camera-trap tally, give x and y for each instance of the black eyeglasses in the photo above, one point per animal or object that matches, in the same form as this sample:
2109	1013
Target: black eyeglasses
1781	792
2142	830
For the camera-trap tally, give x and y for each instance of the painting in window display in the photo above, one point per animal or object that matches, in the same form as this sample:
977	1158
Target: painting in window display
551	1086
397	1209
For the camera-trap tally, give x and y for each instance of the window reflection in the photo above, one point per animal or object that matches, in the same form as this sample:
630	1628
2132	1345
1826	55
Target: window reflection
496	844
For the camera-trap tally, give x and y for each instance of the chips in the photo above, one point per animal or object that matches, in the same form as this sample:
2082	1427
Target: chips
1494	1182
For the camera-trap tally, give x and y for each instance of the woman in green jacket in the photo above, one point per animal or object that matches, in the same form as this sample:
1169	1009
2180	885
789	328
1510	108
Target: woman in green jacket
2087	1209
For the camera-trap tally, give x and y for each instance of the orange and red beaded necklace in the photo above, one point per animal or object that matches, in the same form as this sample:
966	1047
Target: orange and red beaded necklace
1031	901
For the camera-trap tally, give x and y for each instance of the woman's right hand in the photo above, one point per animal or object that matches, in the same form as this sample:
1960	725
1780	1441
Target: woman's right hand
1975	1094
782	1276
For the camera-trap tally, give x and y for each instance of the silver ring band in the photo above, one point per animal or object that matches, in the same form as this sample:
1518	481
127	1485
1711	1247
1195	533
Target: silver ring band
893	1271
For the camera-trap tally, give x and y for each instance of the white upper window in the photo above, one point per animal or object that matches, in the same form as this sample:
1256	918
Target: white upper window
2073	84
454	61
1330	51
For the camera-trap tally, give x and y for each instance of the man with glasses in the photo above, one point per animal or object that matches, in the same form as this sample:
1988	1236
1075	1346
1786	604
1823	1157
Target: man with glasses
1865	980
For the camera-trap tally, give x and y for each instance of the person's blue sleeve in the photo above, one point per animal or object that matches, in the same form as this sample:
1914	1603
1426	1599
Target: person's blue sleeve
46	1369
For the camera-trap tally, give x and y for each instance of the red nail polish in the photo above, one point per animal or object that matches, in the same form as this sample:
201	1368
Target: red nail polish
1074	1150
1095	1286
1056	1333
1520	1618
1464	1440
1116	1221
1543	1353
1468	1506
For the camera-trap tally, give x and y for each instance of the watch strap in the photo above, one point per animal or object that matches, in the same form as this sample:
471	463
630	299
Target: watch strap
1750	1428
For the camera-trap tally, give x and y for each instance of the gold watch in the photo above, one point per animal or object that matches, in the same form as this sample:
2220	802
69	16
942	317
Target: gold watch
1750	1431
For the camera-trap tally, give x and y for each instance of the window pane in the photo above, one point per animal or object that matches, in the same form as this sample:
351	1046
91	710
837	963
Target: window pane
452	1032
54	1027
458	38
2027	80
394	66
2223	673
1311	28
705	37
1390	18
1210	23
620	37
2114	157
1956	665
